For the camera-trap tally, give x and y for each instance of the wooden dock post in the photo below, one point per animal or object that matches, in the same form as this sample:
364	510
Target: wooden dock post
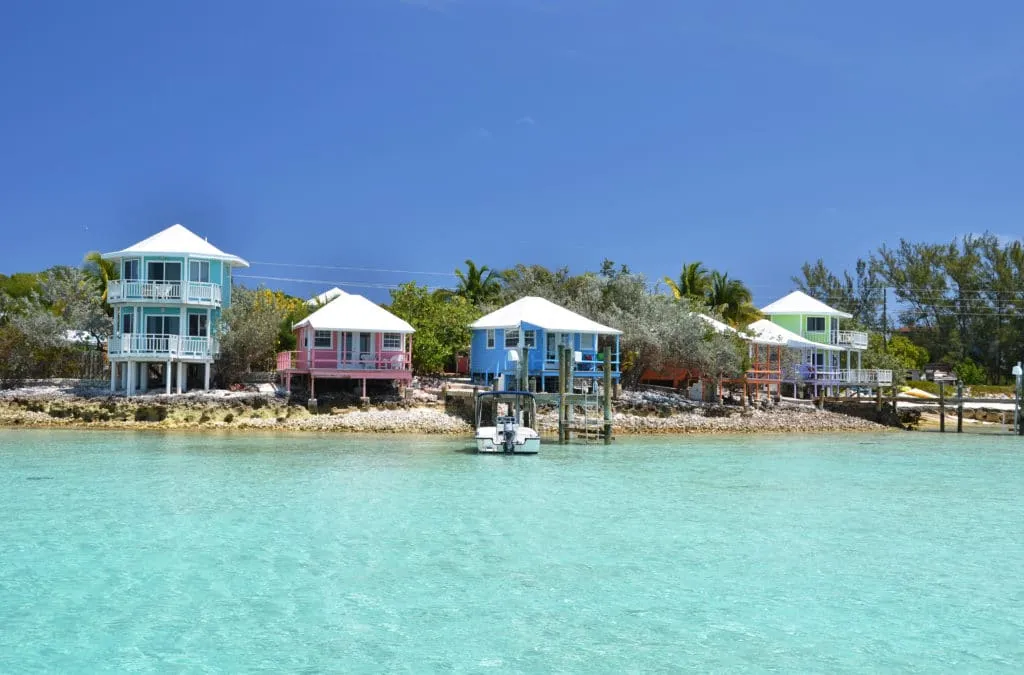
561	394
959	407
607	394
942	407
567	359
878	400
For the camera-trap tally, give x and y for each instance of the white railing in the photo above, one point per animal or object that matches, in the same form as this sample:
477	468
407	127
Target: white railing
166	346
856	376
851	338
194	292
867	376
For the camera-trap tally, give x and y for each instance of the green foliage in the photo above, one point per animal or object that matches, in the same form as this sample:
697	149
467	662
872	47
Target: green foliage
909	354
694	282
729	298
441	321
963	300
100	272
657	330
860	295
478	285
249	332
969	372
20	285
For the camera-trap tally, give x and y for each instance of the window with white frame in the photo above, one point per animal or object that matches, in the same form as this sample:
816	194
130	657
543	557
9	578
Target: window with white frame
588	340
130	271
197	325
322	339
127	321
391	341
815	324
199	270
511	338
163	271
490	338
530	339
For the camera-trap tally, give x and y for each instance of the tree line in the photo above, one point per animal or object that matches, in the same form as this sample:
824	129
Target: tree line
960	303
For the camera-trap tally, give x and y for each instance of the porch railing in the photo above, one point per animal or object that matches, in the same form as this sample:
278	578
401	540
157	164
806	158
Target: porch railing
851	338
861	376
312	360
195	292
854	339
166	346
590	361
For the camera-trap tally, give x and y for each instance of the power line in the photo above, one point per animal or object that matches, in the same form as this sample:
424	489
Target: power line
326	282
352	269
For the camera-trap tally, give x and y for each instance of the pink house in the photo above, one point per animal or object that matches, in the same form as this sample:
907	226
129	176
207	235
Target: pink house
352	338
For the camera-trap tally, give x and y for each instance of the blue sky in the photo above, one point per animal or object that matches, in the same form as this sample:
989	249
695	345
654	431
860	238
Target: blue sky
410	135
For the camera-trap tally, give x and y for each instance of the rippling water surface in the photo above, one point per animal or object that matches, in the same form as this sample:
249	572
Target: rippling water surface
829	553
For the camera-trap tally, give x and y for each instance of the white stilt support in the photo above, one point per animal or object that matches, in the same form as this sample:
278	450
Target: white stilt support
143	377
113	377
130	383
206	376
167	377
181	376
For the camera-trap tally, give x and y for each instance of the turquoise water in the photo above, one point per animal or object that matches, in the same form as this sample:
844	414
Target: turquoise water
324	553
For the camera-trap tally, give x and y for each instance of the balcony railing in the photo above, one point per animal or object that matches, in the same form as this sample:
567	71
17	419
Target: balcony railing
853	339
852	376
172	292
315	360
161	346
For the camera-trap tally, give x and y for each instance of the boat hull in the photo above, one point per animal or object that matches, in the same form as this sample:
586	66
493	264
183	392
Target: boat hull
523	446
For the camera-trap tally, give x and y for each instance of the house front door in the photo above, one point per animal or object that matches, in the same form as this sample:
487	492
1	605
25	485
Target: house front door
366	349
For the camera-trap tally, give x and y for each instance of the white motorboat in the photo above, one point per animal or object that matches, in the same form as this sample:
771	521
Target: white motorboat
504	423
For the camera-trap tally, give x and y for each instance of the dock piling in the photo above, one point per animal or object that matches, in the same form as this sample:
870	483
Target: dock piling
607	395
942	406
959	407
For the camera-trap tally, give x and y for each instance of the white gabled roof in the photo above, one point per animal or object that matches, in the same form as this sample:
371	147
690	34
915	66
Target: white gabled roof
543	313
718	326
177	240
325	297
799	302
349	312
767	333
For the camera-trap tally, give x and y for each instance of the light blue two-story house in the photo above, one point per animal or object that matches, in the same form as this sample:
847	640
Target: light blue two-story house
535	328
173	288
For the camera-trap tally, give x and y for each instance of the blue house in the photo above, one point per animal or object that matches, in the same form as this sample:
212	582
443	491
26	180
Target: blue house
535	328
167	302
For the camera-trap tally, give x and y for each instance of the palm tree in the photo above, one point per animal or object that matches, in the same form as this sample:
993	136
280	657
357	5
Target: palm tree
100	271
732	298
693	282
478	285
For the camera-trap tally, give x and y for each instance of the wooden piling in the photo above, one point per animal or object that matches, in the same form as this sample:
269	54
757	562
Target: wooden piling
959	408
607	394
561	395
942	407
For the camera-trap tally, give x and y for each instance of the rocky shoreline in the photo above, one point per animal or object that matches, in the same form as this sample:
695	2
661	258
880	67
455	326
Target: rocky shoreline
636	413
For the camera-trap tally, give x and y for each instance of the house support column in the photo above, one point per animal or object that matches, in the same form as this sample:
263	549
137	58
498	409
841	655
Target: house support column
167	378
364	401
206	376
181	376
143	377
113	377
129	380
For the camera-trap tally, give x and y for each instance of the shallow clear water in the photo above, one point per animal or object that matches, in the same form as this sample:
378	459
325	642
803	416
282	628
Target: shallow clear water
828	553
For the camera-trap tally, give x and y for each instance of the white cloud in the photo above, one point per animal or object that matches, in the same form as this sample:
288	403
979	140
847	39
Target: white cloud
527	120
